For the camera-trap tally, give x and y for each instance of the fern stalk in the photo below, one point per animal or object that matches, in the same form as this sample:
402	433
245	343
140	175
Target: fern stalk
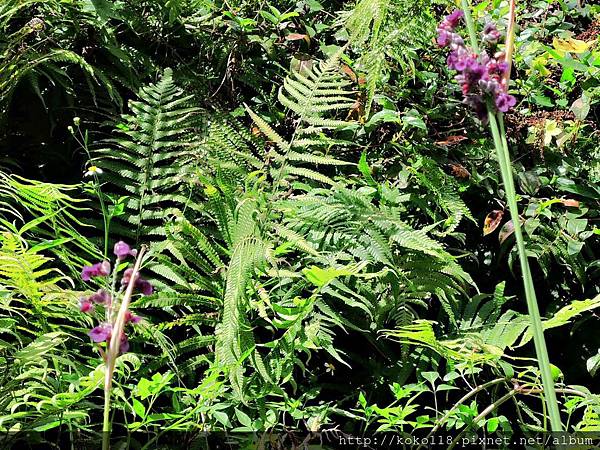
496	122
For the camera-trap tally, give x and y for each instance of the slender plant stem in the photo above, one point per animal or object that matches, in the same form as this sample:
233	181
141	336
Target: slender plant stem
463	399
499	135
106	424
105	216
510	39
470	25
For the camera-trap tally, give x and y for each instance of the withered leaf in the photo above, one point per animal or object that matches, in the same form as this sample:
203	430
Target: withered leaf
297	37
492	220
348	71
459	171
451	140
570	202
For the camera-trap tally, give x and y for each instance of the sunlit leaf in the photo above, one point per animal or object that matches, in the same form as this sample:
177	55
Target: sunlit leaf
581	107
570	45
551	129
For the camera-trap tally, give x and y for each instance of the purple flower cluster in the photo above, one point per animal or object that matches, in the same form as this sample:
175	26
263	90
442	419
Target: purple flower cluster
101	269
103	332
122	250
100	297
481	77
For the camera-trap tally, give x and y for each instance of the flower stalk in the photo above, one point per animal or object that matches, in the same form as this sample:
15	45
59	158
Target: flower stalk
111	330
114	347
496	123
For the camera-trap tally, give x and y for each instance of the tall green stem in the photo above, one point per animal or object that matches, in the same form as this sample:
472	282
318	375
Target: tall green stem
106	423
501	144
532	305
470	25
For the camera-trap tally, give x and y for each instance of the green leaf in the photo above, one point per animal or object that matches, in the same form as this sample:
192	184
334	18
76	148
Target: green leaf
320	277
542	100
222	418
556	372
593	363
243	418
581	107
139	408
430	376
492	424
414	119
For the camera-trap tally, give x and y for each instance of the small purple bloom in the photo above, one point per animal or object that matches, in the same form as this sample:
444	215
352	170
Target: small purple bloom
489	86
130	317
97	270
100	297
457	42
101	333
444	37
141	285
505	101
452	59
127	276
497	67
85	305
491	35
476	72
455	17
122	250
144	287
124	344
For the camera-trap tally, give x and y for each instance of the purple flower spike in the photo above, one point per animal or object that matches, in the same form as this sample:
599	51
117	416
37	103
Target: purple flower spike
446	35
100	297
97	270
101	333
85	305
505	101
480	76
122	250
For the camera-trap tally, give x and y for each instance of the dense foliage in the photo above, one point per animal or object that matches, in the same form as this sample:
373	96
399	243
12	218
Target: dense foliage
320	219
